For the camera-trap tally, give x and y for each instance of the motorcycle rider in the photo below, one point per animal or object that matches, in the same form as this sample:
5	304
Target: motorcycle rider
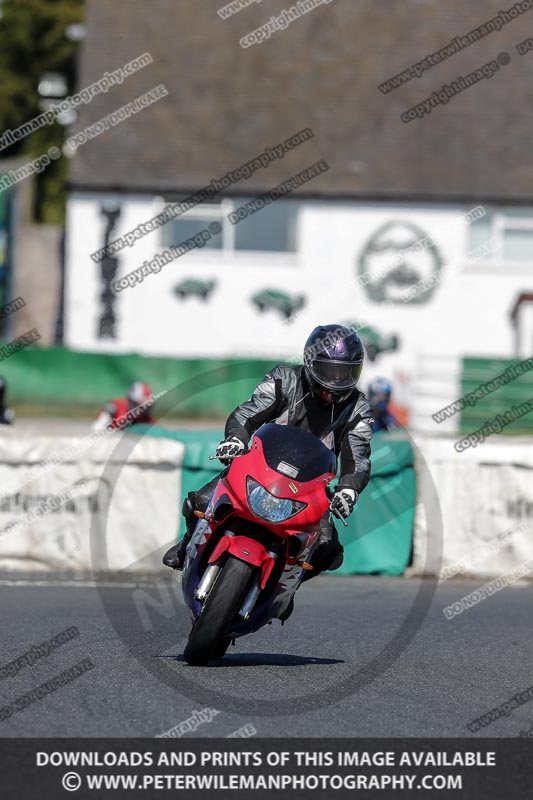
379	395
115	412
322	397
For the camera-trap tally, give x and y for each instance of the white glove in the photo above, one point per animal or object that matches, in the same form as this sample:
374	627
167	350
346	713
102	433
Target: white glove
229	448
343	503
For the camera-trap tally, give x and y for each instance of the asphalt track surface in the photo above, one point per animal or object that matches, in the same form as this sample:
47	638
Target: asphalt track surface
444	673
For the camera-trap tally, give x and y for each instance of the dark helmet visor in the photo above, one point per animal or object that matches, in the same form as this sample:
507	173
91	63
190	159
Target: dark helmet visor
335	375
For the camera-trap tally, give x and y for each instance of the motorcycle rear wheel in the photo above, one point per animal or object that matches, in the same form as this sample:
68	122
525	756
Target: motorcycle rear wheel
211	626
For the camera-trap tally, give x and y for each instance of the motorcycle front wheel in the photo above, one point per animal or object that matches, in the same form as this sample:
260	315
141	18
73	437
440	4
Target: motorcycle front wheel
219	609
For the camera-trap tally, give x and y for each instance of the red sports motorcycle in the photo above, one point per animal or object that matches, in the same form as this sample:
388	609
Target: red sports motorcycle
249	551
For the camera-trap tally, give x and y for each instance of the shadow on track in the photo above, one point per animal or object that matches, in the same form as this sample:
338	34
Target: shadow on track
262	660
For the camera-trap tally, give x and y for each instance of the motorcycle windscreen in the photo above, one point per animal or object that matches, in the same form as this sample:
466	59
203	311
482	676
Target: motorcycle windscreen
295	452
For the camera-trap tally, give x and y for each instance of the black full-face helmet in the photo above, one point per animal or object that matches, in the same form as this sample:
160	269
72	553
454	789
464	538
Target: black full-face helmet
333	360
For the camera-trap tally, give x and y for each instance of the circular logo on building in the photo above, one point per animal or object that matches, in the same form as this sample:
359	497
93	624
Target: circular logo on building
399	263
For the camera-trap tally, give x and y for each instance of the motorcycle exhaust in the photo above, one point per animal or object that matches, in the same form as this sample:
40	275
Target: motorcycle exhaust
208	579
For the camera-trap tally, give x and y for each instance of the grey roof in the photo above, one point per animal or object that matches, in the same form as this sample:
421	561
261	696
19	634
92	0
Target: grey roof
227	103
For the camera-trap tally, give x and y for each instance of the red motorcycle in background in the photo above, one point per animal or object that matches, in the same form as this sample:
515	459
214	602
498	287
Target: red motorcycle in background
248	553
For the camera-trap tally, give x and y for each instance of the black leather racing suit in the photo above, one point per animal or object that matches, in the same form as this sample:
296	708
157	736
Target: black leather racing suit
284	396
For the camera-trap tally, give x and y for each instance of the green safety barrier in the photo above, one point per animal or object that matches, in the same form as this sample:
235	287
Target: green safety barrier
378	539
56	376
379	535
477	371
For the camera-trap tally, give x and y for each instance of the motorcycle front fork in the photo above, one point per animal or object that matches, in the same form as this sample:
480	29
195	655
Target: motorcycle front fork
209	577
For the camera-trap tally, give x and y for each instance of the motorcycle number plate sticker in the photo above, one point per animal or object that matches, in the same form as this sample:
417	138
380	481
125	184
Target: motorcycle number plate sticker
287	469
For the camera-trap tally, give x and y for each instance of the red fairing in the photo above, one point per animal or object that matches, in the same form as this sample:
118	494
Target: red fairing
248	550
253	464
240	523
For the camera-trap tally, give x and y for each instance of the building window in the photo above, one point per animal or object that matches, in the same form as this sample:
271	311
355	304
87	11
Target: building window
272	229
518	242
192	222
502	236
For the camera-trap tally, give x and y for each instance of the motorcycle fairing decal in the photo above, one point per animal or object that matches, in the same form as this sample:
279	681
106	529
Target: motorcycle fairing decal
287	469
289	581
198	538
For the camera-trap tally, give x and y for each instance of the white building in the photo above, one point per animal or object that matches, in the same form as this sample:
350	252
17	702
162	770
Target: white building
421	230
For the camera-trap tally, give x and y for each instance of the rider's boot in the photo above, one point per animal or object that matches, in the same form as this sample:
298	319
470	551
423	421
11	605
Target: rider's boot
327	556
175	557
329	552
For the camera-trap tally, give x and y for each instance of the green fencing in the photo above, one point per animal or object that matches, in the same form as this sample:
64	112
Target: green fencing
56	377
480	370
379	535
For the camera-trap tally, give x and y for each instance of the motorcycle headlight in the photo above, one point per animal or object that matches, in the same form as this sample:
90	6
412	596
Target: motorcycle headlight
270	508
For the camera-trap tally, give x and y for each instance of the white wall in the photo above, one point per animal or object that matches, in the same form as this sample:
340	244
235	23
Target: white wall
484	496
109	504
467	313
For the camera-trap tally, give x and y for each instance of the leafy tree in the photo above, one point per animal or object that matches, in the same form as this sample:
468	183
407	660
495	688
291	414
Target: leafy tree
33	41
